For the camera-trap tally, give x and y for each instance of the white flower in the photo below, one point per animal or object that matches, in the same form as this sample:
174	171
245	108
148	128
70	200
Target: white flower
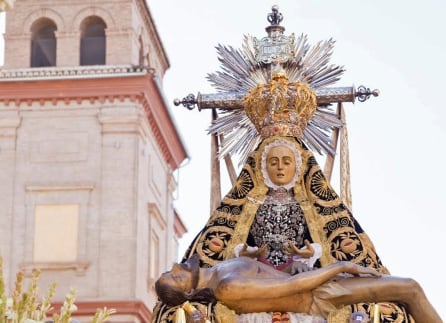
9	303
11	315
31	321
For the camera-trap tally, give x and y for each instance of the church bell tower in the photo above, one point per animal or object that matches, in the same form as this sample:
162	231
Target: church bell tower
88	151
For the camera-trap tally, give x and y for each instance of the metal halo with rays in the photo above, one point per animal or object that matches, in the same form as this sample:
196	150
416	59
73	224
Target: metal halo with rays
242	70
256	63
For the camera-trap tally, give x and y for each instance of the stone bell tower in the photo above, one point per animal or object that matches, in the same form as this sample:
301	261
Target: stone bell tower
88	151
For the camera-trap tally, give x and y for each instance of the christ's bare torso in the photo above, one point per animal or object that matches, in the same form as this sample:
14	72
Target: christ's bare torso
249	267
241	274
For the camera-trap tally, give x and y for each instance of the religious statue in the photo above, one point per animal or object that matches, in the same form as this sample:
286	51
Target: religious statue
282	210
246	286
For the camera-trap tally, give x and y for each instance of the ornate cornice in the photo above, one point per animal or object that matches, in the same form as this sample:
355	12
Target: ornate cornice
115	84
67	73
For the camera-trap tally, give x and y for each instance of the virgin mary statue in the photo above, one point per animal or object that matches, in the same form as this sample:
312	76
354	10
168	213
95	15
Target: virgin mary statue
281	210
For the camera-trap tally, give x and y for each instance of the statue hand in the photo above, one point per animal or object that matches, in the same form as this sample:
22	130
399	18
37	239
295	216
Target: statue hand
244	251
291	250
298	267
262	252
356	270
250	253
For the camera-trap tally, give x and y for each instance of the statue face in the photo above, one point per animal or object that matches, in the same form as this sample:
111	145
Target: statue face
280	165
177	285
178	277
182	276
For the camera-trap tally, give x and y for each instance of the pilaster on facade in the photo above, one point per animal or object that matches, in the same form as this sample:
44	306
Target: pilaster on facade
9	123
124	117
158	257
65	40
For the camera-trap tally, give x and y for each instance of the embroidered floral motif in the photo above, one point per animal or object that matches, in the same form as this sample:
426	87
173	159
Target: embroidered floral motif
321	188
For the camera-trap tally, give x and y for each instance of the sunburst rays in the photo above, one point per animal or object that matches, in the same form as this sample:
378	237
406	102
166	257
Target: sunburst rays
240	71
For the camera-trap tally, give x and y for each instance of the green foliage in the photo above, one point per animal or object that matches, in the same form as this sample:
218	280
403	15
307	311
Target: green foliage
24	306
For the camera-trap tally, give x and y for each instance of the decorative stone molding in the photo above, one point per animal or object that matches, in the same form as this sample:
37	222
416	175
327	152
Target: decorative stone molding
79	267
9	123
43	13
58	193
77	72
59	187
98	85
155	213
93	11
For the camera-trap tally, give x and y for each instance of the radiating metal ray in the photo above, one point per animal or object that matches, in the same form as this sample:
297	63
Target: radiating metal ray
241	71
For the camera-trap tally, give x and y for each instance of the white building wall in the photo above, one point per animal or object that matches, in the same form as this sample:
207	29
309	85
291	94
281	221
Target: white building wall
100	157
103	158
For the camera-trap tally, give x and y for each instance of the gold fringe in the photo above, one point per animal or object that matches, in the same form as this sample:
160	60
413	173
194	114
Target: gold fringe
223	314
340	316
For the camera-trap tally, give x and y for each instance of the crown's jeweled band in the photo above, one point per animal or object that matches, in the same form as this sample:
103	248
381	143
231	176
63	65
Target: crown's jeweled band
280	107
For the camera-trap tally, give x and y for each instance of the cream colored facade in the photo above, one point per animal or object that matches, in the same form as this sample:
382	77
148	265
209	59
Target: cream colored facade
87	157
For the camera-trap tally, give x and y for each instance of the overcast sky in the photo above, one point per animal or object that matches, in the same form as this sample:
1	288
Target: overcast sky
396	141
